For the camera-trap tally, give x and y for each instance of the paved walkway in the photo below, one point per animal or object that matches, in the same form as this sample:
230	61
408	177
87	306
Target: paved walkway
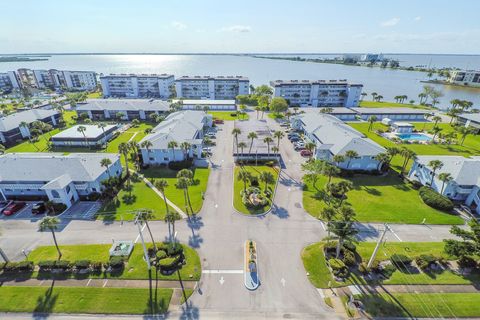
99	283
414	288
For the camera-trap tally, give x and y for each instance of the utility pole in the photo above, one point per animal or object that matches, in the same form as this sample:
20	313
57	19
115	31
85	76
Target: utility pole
379	242
147	259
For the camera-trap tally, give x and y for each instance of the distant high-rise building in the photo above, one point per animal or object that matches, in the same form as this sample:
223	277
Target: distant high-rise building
138	85
467	78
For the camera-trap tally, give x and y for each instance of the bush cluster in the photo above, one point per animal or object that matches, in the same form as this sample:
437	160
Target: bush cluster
400	261
435	200
179	165
425	261
22	266
339	268
49	265
116	263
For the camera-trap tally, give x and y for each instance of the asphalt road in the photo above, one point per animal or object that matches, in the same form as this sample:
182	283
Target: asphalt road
219	234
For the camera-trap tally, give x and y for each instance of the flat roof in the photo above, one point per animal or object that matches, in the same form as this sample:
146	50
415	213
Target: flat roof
205	102
402	124
361	110
13	120
475	117
139	75
240	78
310	82
262	130
91	131
124	105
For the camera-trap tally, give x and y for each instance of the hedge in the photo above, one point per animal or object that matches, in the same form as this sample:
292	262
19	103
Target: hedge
116	262
400	261
435	200
22	266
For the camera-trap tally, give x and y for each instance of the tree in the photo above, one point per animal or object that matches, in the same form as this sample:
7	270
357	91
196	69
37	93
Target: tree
464	132
436	131
242	145
382	158
102	126
435	165
51	224
408	155
147	144
82	130
235	133
268	140
172	145
329	171
120	115
469	245
374	96
313	168
124	149
340	189
183	183
252	136
244	176
327	214
2	149
295	109
363	95
105	162
445	177
310	146
436	119
278	135
338	158
392	152
267	178
258	109
278	105
263	90
343	227
143	215
371	121
350	154
185	146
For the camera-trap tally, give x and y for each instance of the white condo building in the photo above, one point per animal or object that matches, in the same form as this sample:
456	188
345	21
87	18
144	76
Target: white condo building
138	85
9	80
212	88
318	93
73	80
467	78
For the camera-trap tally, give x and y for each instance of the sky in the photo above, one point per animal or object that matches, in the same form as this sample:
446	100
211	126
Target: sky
246	26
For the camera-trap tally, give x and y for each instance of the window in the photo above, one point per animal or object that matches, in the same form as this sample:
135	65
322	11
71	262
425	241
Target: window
55	194
166	159
151	158
68	189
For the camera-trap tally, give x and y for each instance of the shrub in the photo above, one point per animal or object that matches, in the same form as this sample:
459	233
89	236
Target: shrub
171	263
400	261
339	268
375	267
116	262
96	266
435	200
82	264
62	265
425	261
59	207
46	265
388	270
415	184
270	163
349	258
467	262
22	266
179	165
350	246
174	249
161	254
362	268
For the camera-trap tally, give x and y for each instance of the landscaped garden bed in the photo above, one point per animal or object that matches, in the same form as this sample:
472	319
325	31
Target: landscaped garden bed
254	188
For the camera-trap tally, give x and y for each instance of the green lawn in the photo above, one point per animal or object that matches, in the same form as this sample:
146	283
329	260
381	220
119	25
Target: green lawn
84	300
141	196
375	104
176	195
470	147
95	95
136	268
431	305
238	187
227	115
380	199
275	116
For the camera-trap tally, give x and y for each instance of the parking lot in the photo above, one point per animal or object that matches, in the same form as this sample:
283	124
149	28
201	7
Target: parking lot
82	210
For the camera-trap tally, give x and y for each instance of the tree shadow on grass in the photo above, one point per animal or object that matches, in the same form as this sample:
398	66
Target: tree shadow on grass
189	311
156	307
46	303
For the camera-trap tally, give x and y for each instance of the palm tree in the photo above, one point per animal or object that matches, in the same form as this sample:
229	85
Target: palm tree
25	125
185	146
51	224
82	130
252	136
408	155
183	183
436	119
162	184
327	214
172	145
268	140
338	158
445	177
371	121
295	109
374	96
242	145
310	146
329	171
143	215
258	109
382	158
344	230
436	131
235	133
147	144
124	149
2	149
267	178
244	176
278	135
392	152
105	162
102	126
363	95
435	165
350	154
188	175
464	132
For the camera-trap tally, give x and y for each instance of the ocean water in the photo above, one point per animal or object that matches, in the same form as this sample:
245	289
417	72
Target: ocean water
385	82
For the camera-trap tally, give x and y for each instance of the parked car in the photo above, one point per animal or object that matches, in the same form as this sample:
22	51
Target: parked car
211	135
299	148
306	153
4	204
285	125
218	121
38	208
295	139
13	208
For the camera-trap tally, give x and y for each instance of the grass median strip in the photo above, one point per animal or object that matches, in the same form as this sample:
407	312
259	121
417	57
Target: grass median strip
84	300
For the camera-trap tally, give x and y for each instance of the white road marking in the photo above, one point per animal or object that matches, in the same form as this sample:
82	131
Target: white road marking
283	282
105	283
138	236
289	189
88	282
219	271
323	226
216	206
396	236
222	281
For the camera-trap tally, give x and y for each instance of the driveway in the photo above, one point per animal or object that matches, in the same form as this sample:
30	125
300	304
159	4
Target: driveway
82	210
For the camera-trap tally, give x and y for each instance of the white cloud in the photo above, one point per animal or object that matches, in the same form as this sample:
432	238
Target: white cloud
417	18
237	28
179	25
390	23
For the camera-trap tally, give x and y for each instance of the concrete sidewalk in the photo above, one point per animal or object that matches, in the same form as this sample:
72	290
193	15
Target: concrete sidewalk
414	288
100	283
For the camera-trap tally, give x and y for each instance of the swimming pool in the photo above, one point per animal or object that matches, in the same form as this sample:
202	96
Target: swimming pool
414	137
